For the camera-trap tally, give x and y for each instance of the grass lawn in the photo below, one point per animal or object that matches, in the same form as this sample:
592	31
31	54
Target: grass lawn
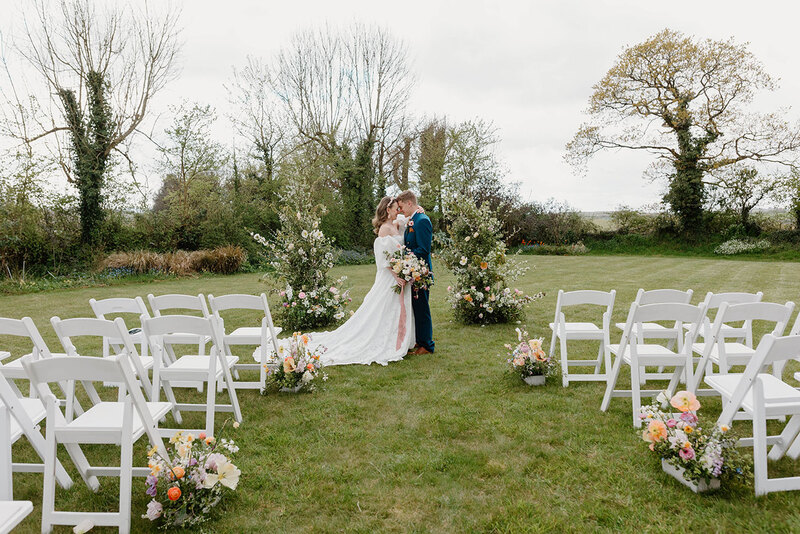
449	443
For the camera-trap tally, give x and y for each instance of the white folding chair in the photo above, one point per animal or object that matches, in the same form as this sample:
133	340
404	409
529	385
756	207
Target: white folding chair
11	512
743	333
633	352
117	306
171	370
67	329
718	351
113	423
760	396
259	336
564	331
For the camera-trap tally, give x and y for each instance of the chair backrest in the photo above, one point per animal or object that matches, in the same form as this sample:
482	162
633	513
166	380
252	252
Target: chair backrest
771	350
25	327
754	311
178	302
715	300
585	296
118	306
796	328
164	331
241	302
68	329
660	296
674	312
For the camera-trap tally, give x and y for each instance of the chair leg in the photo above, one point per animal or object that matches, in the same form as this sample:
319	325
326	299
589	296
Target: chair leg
6	484
211	402
564	362
759	440
170	395
599	359
234	398
636	395
126	470
552	341
49	490
787	438
611	381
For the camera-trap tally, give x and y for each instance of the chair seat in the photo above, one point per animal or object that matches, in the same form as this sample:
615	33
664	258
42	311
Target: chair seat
779	397
581	330
107	417
195	364
248	335
35	411
650	354
12	513
735	353
4	354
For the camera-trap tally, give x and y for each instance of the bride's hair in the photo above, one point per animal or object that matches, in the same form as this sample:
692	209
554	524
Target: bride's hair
382	213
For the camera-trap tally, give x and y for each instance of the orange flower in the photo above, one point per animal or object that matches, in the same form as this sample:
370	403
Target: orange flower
484	265
305	339
177	472
289	365
310	366
656	431
174	493
468	297
685	401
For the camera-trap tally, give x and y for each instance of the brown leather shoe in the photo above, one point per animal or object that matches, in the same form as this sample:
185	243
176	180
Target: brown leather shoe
412	349
422	350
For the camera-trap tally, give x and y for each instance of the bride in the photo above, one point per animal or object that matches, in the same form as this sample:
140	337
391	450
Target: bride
382	329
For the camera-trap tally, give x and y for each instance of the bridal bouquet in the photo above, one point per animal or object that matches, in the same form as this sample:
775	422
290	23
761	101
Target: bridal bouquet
527	358
298	366
186	488
410	268
681	441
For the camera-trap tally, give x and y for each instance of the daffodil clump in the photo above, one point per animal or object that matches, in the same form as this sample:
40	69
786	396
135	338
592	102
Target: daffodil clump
298	365
185	487
474	250
527	358
680	439
300	256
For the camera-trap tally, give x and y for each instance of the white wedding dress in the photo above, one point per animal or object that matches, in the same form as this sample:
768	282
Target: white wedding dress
370	335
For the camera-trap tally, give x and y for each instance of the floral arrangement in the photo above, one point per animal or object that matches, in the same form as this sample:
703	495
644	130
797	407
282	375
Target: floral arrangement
298	365
737	246
408	267
474	250
681	440
185	489
300	256
527	358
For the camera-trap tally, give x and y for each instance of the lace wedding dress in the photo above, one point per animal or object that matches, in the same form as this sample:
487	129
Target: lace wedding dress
371	334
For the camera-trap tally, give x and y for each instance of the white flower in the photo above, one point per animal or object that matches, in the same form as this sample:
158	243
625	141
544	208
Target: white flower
475	234
290	246
463	260
227	474
304	233
307	377
86	525
466	238
154	510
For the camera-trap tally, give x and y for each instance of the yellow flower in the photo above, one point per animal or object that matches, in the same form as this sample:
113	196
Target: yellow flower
152	451
688	429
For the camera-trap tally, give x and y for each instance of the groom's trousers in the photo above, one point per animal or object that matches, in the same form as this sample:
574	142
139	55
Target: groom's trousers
423	324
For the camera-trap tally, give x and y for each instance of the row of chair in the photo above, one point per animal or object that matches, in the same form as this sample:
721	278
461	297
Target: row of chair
140	379
664	330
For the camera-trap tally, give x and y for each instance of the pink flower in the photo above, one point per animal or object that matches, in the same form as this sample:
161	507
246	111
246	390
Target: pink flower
687	453
301	295
671	423
685	401
487	288
283	293
688	417
449	288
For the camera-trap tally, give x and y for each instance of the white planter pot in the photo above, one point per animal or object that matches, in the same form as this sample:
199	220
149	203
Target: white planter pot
295	389
537	380
677	473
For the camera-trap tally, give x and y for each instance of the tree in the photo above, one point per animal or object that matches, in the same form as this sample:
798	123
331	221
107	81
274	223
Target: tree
344	92
684	100
432	151
743	188
102	69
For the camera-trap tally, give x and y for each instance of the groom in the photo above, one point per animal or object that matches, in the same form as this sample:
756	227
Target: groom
418	237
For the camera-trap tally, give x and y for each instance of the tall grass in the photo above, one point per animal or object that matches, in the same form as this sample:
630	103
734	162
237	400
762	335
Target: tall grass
221	260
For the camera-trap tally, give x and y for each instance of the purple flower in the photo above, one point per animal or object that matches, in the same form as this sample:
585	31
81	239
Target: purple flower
152	482
672	423
193	461
688	417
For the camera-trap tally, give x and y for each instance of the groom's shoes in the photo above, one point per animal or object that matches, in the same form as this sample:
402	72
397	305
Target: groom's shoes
413	350
422	350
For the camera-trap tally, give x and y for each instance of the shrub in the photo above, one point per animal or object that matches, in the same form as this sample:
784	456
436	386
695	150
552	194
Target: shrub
551	222
631	221
222	260
474	250
737	246
540	249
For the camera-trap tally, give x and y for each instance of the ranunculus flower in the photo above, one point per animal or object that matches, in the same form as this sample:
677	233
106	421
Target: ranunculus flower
672	423
301	295
687	453
655	431
688	417
484	265
177	472
174	493
685	401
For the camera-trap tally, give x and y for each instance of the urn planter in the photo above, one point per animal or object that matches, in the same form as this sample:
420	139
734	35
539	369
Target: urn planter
536	380
697	487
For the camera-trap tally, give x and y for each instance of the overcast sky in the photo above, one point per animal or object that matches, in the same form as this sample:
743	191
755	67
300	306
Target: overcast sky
528	66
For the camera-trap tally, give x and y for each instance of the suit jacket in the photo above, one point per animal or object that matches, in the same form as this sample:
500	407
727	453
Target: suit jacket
419	236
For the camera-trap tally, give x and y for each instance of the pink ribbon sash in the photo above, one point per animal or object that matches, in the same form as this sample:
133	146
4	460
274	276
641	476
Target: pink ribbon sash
401	327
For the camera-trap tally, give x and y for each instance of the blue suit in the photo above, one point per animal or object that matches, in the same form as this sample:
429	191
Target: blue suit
418	239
